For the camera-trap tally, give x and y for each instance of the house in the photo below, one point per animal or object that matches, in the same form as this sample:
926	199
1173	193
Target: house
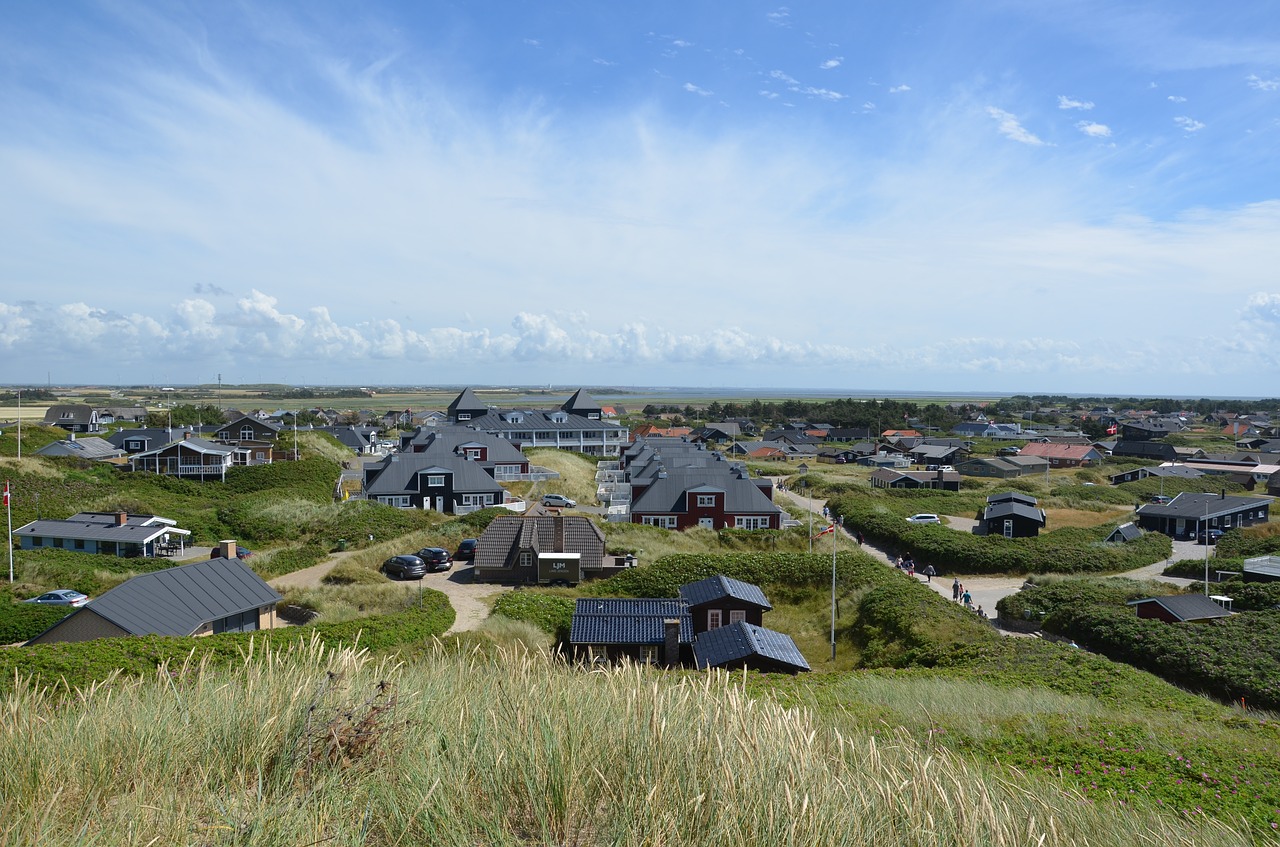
648	631
717	433
1189	514
708	497
1003	467
885	460
577	424
203	598
144	439
73	418
1179	608
1063	455
838	457
526	549
1262	569
451	484
361	440
501	459
122	414
1012	514
901	433
90	447
107	533
720	600
189	457
1146	430
248	428
1160	472
744	645
1123	534
937	454
1158	450
940	480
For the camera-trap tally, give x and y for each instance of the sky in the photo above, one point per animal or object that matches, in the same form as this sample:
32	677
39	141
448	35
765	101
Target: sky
998	196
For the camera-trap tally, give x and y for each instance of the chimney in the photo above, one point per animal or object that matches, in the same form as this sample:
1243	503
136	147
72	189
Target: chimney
671	642
227	549
122	518
186	434
1223	495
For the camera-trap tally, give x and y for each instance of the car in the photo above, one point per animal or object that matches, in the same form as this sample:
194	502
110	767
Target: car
466	549
1161	499
1008	451
404	567
61	597
1209	537
558	501
437	558
924	517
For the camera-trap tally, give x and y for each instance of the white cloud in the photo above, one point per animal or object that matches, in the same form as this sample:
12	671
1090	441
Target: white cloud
680	42
532	42
1010	127
820	93
779	17
1261	84
1188	124
832	63
1174	98
1094	130
693	89
1065	102
605	62
779	75
1264	308
769	95
898	89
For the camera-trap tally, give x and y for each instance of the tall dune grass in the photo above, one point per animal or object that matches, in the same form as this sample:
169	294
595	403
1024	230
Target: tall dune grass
506	748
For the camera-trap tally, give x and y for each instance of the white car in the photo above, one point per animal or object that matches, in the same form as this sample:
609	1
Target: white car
924	517
559	501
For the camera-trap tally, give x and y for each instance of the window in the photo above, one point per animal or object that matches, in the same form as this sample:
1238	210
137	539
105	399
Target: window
435	480
737	615
398	501
526	558
477	499
705	500
1008	529
474	452
79	543
242	622
246	433
57	542
649	654
714	619
751	522
664	521
464	416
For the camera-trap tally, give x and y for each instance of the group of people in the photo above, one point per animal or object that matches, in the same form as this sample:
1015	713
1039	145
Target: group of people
960	594
908	564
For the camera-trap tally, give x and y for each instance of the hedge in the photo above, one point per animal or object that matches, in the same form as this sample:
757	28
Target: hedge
78	664
665	575
548	612
1070	550
23	621
1039	601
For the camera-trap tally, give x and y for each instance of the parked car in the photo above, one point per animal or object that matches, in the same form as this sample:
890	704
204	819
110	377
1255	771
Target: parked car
1008	451
1160	499
924	517
404	567
559	500
437	558
61	597
1209	536
466	550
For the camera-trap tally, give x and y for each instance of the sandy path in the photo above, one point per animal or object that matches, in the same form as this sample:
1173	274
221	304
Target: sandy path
470	601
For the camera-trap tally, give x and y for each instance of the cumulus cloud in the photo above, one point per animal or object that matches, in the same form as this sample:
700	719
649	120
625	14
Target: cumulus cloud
1013	130
832	63
898	89
1094	130
1261	84
1188	124
13	326
1065	102
1264	308
693	89
1174	98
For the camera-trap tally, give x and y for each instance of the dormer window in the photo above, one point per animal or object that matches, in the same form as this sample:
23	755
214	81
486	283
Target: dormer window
435	480
706	500
464	416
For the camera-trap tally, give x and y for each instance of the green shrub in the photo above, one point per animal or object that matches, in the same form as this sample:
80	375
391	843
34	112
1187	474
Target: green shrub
349	574
22	621
550	613
1039	601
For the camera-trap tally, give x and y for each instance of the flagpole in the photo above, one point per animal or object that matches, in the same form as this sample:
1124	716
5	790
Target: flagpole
8	510
19	431
834	532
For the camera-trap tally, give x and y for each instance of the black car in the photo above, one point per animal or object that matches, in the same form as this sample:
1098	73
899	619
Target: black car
466	549
1210	536
437	558
404	567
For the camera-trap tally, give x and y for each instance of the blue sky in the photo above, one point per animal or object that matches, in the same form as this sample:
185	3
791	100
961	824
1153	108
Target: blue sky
987	196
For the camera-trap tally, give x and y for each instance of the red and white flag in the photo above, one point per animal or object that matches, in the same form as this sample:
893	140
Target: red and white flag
830	528
6	493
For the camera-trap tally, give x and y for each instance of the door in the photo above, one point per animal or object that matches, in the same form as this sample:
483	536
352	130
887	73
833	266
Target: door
439	504
709	523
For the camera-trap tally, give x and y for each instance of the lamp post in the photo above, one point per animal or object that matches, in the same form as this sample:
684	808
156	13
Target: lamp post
1206	546
804	485
835	531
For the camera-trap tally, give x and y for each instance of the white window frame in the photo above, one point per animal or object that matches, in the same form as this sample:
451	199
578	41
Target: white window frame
706	500
737	616
464	416
477	499
435	480
715	618
474	452
664	521
399	501
750	522
649	654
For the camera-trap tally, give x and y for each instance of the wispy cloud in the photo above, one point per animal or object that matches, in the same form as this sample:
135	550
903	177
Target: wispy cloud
1261	84
1174	98
1010	128
1065	102
1094	130
783	77
604	62
693	89
532	42
832	63
779	17
1188	124
898	89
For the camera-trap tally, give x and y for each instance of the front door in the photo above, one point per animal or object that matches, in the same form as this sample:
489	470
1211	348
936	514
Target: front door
709	523
439	504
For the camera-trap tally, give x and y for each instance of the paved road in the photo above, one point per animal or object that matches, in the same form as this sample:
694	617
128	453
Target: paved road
987	590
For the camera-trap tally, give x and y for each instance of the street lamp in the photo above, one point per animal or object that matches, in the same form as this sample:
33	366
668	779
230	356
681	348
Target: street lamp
804	485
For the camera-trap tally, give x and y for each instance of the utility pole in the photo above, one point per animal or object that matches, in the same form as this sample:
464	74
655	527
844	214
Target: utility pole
804	485
19	426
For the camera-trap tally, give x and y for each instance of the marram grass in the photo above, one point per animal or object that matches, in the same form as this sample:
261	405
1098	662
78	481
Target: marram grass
310	746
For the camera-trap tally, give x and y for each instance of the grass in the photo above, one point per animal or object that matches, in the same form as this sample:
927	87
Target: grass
508	748
577	474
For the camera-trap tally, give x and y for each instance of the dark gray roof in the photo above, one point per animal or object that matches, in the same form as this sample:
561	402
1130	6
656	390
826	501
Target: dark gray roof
177	601
666	495
581	403
1199	505
196	445
396	474
467	402
1012	497
154	436
1013	509
100	526
615	621
86	447
507	535
1125	532
449	440
1186	607
739	641
718	587
70	413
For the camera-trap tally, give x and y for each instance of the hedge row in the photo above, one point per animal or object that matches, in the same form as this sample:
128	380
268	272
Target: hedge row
1229	658
1037	602
75	665
548	612
664	576
1071	550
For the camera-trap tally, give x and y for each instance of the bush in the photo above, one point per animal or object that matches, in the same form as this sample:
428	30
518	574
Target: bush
1039	601
23	621
550	613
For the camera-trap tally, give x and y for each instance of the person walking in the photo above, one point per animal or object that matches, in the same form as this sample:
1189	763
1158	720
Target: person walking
929	573
955	590
861	538
967	599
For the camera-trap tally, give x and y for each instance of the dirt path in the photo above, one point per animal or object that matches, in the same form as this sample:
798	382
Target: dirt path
984	590
470	601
